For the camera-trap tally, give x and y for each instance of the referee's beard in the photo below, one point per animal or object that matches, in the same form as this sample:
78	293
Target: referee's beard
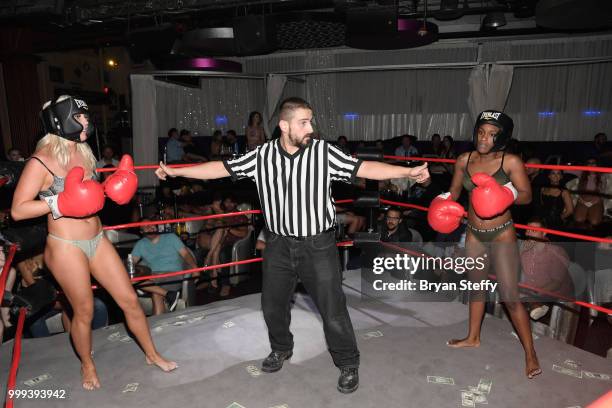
303	142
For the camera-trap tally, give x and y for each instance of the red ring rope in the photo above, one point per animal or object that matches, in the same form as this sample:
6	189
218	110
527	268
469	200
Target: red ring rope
535	166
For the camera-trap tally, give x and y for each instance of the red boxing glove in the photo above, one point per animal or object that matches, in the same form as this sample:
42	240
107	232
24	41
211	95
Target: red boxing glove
489	198
122	184
444	214
79	198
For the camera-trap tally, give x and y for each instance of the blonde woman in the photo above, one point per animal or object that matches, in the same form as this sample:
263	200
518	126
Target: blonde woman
76	248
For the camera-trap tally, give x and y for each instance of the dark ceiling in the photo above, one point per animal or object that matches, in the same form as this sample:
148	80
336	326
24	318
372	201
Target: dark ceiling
195	27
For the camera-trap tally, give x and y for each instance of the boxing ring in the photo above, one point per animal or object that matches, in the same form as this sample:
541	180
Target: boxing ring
219	348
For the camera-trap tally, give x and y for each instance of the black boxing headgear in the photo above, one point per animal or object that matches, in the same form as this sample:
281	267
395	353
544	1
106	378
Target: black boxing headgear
59	118
499	120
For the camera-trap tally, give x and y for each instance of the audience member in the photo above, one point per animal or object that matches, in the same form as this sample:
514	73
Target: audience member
555	202
14	154
174	147
107	159
216	144
392	229
255	135
162	253
234	229
590	206
192	152
342	143
406	149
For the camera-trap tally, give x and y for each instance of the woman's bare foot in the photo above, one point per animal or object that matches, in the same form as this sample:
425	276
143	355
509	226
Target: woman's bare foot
532	367
162	363
461	343
89	377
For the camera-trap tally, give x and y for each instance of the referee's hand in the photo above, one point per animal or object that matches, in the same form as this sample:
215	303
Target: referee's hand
420	174
163	171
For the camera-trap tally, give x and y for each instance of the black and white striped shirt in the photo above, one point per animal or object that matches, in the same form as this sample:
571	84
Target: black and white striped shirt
295	189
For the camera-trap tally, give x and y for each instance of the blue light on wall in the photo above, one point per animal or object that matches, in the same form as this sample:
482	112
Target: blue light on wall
592	113
221	120
546	114
351	116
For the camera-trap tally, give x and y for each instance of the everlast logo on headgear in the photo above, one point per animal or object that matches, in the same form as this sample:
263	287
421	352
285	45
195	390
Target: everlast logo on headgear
80	104
489	115
500	120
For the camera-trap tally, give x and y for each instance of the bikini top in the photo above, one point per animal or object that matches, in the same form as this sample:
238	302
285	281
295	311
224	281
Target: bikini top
56	187
500	175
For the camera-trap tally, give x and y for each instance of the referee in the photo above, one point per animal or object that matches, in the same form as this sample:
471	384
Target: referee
293	175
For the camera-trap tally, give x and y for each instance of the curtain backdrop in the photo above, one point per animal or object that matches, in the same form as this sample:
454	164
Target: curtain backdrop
547	101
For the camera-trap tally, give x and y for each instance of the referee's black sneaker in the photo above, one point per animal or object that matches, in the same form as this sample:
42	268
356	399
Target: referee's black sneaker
172	298
274	361
348	380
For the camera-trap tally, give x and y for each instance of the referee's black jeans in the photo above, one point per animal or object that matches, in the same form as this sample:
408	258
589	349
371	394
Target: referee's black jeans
315	261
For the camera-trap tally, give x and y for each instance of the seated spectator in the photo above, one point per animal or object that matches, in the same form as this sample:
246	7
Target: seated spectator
350	222
255	135
216	144
192	153
174	147
447	151
342	144
107	159
14	155
231	142
435	145
600	150
555	202
406	149
162	253
233	230
545	266
209	226
392	229
590	206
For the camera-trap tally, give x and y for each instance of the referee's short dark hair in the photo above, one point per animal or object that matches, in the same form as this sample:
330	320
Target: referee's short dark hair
290	105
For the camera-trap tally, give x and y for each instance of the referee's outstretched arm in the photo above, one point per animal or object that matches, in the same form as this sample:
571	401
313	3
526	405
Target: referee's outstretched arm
382	171
204	171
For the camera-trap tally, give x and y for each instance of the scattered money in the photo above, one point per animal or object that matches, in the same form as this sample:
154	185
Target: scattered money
235	405
114	337
480	399
37	380
467	399
484	386
571	364
281	406
182	316
179	323
371	335
132	387
567	371
596	376
195	319
253	371
228	324
125	339
440	380
158	329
